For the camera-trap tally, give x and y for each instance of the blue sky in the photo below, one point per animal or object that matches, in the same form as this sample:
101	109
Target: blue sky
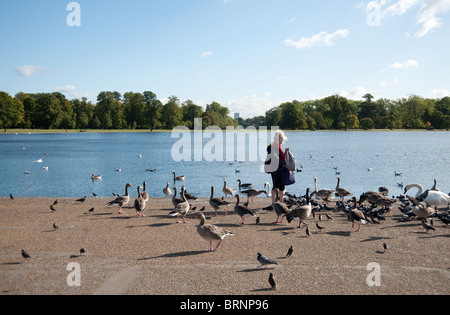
249	55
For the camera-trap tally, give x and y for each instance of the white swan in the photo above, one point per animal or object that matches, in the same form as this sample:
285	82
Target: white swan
432	198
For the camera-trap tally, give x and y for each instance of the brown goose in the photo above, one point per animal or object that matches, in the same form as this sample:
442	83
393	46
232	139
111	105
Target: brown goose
324	194
280	207
181	209
303	212
121	200
216	203
211	232
227	190
251	193
145	193
139	203
242	211
342	192
167	191
176	200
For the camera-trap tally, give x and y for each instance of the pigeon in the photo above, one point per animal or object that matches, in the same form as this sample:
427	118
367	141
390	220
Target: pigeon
25	254
55	226
427	226
290	251
265	261
319	227
272	282
258	220
82	199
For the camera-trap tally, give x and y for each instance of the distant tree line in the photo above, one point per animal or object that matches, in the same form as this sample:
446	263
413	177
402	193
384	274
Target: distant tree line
144	111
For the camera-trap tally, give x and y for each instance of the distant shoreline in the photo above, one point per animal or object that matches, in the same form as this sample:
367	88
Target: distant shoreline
62	131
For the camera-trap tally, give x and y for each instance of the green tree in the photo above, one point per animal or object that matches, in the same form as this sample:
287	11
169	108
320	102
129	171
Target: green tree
292	116
172	114
367	123
11	111
153	110
190	112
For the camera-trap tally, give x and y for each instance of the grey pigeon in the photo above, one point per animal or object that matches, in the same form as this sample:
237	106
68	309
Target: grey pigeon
427	226
264	261
55	226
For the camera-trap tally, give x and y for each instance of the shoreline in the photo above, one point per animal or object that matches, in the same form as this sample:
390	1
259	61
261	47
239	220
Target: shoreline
59	131
156	256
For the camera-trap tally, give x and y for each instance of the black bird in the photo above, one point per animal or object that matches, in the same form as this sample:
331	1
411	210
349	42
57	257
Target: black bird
202	209
427	226
385	247
52	208
25	254
11	196
55	226
56	202
82	199
82	251
272	282
328	217
92	210
94	194
290	251
258	220
319	227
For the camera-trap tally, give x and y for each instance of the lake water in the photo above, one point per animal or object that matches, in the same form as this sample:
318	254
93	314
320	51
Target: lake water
420	156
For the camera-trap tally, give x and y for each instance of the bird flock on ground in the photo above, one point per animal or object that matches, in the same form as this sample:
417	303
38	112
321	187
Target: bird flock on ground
426	206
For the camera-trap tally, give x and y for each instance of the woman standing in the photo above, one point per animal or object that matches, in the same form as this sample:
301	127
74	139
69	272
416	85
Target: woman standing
275	150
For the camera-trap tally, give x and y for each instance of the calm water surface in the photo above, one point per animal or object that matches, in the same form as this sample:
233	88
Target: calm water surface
420	156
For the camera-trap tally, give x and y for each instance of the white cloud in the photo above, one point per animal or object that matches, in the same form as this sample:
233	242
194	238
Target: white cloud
376	10
405	65
65	89
356	94
321	39
206	54
440	93
28	71
428	15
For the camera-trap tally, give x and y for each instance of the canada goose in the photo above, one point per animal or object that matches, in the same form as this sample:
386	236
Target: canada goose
177	178
227	190
324	194
216	203
182	208
241	186
280	208
167	191
121	200
242	211
303	212
431	197
342	192
435	186
139	203
211	232
144	193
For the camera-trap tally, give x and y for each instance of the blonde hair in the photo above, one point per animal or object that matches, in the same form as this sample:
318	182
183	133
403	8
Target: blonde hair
279	137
